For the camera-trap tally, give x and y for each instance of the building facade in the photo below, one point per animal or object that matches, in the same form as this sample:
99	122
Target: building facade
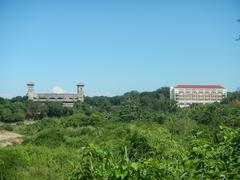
186	95
67	99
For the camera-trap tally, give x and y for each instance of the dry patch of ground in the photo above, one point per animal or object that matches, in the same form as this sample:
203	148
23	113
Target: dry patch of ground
9	138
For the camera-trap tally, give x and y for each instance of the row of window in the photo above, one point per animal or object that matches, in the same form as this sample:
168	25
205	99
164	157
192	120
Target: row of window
199	96
206	97
199	92
59	98
199	99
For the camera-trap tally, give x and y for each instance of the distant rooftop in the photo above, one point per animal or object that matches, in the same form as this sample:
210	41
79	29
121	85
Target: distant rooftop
200	86
80	84
30	83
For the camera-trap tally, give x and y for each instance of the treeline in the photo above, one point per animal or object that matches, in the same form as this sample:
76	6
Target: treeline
128	105
19	109
149	106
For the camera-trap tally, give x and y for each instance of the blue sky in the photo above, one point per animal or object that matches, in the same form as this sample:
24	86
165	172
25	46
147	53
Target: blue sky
119	45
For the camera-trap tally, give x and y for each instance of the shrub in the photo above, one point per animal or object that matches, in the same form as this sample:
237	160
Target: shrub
79	119
74	142
8	127
180	126
51	137
97	163
214	161
12	161
161	118
138	146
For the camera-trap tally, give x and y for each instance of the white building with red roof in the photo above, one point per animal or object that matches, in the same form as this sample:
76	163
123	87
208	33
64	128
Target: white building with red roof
186	95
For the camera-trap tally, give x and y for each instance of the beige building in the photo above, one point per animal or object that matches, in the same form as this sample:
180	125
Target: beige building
186	95
67	99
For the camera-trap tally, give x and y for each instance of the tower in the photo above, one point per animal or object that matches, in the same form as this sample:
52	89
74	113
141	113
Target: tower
30	93
172	93
80	94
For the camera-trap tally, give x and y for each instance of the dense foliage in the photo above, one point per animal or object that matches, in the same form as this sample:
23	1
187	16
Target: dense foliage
134	136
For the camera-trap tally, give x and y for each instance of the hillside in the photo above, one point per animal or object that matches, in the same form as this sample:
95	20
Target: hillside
134	136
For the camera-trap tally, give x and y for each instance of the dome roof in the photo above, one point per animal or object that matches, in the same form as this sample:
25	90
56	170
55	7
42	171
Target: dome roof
30	83
80	84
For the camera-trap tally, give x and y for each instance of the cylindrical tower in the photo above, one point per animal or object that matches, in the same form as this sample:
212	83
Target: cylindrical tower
80	92
30	93
172	93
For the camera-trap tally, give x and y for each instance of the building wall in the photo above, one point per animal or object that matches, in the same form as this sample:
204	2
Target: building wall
67	99
187	96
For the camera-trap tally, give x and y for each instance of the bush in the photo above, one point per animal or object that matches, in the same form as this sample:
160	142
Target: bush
214	161
180	126
51	137
129	110
74	142
79	119
161	118
7	127
97	163
138	146
12	161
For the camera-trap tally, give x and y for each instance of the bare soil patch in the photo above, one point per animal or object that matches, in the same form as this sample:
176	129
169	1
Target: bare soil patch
8	138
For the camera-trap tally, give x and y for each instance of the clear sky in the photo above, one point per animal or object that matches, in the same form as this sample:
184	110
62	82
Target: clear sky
114	46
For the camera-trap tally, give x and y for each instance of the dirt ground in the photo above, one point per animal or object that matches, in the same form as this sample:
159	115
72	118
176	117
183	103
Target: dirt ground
9	138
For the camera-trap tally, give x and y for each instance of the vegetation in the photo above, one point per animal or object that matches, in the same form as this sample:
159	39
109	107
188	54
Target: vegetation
134	136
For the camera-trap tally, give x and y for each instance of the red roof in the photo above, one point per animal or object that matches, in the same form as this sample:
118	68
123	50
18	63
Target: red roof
200	86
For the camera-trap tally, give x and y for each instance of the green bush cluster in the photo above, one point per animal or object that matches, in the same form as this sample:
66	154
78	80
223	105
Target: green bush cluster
12	110
80	119
203	161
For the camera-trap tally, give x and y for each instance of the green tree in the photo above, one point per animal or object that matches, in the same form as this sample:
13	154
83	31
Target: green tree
6	115
82	107
55	109
130	110
36	110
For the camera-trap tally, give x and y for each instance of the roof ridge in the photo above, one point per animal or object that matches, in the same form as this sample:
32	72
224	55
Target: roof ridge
199	86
